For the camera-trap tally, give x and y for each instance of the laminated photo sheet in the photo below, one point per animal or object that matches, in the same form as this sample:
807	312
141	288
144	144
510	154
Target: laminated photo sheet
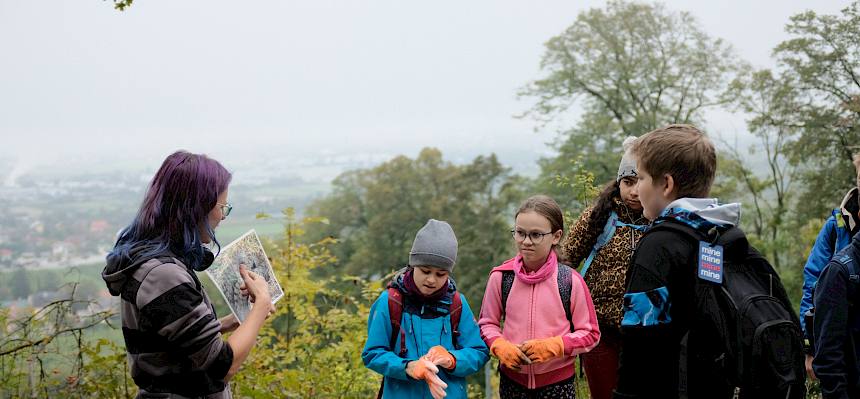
224	272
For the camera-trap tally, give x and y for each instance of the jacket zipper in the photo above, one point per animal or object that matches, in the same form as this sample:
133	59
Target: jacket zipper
414	335
530	368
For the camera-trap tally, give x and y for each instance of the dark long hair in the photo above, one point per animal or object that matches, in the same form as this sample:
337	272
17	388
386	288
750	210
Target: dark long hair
603	205
176	205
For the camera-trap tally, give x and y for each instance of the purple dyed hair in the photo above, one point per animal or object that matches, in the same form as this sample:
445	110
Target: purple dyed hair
177	203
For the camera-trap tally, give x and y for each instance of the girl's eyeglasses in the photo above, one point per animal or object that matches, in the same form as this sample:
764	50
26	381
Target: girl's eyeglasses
536	237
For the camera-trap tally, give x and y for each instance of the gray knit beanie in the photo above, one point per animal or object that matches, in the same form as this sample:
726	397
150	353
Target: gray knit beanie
435	245
627	167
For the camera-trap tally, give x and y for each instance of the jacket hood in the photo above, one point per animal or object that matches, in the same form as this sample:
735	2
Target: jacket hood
850	206
398	282
118	269
423	306
702	213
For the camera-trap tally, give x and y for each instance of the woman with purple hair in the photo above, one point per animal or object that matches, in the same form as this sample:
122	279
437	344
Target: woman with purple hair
172	335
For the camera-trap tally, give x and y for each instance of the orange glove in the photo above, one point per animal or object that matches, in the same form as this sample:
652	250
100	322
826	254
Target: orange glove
423	369
440	356
508	354
542	350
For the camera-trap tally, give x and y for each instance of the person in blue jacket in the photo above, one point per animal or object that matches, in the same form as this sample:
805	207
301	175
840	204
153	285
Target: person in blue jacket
425	356
836	325
836	234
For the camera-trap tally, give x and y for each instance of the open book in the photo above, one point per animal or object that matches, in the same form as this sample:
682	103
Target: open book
224	272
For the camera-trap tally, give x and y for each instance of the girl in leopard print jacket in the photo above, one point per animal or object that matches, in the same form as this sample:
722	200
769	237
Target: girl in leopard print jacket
606	272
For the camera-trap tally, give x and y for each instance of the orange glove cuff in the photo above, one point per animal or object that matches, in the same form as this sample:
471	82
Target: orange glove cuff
439	352
499	346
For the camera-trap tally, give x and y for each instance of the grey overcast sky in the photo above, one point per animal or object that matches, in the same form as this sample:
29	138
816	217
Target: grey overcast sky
80	81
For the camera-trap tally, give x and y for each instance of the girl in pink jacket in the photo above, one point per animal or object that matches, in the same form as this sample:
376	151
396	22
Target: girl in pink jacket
546	307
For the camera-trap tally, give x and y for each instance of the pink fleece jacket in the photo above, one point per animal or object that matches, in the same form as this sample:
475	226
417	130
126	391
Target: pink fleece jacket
535	311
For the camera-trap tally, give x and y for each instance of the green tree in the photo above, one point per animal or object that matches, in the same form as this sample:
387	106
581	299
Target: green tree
312	347
52	351
627	68
805	115
376	212
764	97
822	60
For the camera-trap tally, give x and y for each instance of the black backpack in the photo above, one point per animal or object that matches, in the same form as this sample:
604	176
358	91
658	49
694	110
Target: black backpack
744	327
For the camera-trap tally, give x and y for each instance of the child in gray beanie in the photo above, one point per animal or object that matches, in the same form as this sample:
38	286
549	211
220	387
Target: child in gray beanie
422	309
435	245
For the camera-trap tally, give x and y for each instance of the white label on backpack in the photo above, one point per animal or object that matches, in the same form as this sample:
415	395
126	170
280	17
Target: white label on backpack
710	262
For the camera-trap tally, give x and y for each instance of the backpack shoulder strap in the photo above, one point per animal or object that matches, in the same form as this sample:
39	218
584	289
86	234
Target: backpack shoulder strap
565	288
846	258
395	314
671	225
602	239
732	239
456	313
507	283
853	275
565	285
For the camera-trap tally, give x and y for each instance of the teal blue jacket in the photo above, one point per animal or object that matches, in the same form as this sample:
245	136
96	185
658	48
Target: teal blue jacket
422	334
